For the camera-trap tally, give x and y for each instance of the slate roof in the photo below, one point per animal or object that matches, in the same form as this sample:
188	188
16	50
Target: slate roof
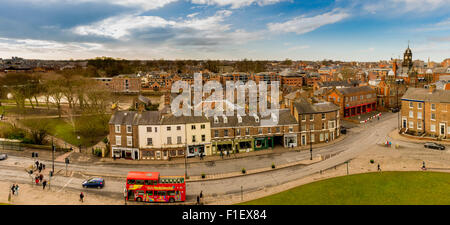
353	90
124	117
304	107
423	94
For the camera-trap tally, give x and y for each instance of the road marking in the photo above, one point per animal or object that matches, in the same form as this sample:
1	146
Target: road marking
65	184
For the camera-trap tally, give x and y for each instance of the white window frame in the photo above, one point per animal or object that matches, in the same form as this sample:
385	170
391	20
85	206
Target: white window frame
419	115
129	140
411	125
118	140
130	129
411	114
117	128
432	127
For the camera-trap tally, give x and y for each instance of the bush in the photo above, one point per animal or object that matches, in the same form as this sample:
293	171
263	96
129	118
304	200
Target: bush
273	165
243	170
98	152
203	175
372	161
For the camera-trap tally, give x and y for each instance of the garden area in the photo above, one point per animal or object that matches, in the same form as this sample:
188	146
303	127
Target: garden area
382	188
89	129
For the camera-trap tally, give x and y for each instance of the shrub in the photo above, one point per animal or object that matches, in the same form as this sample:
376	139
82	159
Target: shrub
243	170
203	175
98	152
372	161
273	165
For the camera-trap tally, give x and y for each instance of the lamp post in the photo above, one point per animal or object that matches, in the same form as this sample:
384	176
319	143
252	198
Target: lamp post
310	143
53	157
78	138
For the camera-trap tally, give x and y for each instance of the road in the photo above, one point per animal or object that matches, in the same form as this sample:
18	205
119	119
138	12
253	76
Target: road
360	138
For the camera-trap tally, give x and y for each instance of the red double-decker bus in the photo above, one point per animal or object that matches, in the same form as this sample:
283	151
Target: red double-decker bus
150	187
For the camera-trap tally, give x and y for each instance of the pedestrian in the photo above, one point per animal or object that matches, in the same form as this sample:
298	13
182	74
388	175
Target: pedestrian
41	177
13	189
43	166
114	157
17	189
423	166
40	168
36	180
201	194
198	200
81	197
44	183
221	154
37	164
379	168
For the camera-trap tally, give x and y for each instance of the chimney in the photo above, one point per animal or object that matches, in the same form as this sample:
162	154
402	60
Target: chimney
431	89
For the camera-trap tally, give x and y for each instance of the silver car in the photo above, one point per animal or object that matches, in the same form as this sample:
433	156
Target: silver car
3	156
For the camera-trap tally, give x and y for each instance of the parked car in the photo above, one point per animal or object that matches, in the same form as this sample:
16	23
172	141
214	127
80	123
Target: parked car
343	130
394	110
3	156
433	145
94	182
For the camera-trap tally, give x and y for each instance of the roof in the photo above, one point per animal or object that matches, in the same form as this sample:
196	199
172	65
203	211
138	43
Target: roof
284	115
148	117
304	107
144	99
143	175
124	117
172	119
423	94
353	90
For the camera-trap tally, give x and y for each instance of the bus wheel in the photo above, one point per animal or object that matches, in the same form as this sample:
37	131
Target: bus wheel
139	199
171	200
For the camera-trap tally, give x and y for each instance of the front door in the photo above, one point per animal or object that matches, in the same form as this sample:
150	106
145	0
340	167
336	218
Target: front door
404	123
303	139
158	154
442	129
136	156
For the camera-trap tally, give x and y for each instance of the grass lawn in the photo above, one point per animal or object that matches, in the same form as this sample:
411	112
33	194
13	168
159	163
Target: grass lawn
64	129
384	188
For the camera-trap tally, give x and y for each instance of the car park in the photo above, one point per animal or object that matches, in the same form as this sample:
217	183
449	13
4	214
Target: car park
433	145
96	182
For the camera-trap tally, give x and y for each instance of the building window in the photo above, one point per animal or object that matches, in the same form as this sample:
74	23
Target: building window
433	106
433	116
178	127
129	141
156	129
169	140
303	128
238	132
419	125
419	115
260	130
321	137
411	124
193	127
278	129
149	129
216	133
118	140
203	138
323	116
291	129
129	129
411	114
225	133
202	126
303	117
269	130
247	131
168	128
311	117
179	140
311	126
419	105
411	104
193	138
117	128
323	126
149	141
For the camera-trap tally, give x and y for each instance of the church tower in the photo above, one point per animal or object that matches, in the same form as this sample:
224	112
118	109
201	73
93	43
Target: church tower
407	58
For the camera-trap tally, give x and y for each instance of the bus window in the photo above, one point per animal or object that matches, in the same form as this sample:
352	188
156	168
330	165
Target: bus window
155	182
182	180
161	193
130	181
171	193
149	193
141	182
149	182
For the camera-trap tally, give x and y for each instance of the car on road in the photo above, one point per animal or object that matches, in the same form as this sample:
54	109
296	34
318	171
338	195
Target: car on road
394	110
3	156
96	182
433	145
343	130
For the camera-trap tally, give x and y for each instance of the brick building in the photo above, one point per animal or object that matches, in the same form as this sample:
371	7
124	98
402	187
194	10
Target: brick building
353	100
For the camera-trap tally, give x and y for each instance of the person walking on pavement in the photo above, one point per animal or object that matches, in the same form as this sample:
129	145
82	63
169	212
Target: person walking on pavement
41	177
13	189
17	189
36	179
423	165
44	183
379	168
81	197
198	200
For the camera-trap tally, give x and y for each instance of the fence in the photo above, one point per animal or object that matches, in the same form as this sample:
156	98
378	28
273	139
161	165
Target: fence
10	144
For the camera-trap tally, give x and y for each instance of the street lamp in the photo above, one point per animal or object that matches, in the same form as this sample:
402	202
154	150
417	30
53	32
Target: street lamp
78	138
185	163
310	143
53	157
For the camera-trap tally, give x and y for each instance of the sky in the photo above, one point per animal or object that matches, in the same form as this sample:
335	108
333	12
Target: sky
347	30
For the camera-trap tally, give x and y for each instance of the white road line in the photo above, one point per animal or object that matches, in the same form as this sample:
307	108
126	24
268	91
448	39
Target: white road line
65	184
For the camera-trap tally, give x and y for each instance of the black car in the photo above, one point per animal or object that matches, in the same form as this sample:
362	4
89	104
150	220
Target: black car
94	182
394	110
343	130
433	145
3	156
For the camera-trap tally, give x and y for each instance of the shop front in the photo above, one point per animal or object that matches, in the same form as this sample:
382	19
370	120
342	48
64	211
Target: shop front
125	153
261	143
225	147
195	150
244	145
290	140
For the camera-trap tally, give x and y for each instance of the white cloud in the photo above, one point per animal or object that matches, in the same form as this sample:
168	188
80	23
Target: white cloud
192	15
404	6
141	4
303	24
236	3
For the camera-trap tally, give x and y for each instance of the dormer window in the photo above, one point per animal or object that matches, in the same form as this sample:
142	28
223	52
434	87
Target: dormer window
239	119
225	119
216	120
